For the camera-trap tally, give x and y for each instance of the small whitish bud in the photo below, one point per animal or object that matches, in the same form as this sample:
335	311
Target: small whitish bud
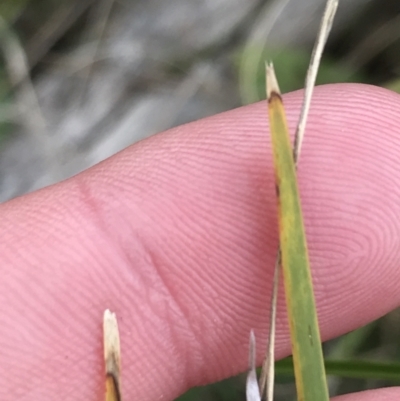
112	357
252	389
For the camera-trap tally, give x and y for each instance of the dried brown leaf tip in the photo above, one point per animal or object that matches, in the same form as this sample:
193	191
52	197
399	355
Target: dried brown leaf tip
272	86
112	356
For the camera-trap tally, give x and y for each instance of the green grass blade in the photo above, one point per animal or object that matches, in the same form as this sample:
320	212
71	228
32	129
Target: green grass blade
306	344
350	369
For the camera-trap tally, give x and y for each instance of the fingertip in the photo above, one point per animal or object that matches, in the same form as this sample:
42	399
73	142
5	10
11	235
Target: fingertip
382	394
179	234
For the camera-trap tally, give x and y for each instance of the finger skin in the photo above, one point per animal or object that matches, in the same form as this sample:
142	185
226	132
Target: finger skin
178	234
384	394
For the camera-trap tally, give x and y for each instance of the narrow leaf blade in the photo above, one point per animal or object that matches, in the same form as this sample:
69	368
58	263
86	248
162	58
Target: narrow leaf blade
306	345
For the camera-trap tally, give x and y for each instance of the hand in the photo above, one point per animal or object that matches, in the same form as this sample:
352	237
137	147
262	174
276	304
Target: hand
178	234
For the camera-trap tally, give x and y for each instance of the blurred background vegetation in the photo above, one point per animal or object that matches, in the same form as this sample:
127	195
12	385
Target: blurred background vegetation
82	79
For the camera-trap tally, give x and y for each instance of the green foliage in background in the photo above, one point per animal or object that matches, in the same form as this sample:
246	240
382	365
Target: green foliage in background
5	106
348	359
394	85
291	67
10	9
229	389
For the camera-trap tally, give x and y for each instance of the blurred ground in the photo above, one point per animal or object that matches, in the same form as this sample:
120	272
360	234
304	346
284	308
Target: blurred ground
82	79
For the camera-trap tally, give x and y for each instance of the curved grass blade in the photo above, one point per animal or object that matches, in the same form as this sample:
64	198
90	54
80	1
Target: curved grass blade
306	343
267	376
322	37
356	369
267	372
112	356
